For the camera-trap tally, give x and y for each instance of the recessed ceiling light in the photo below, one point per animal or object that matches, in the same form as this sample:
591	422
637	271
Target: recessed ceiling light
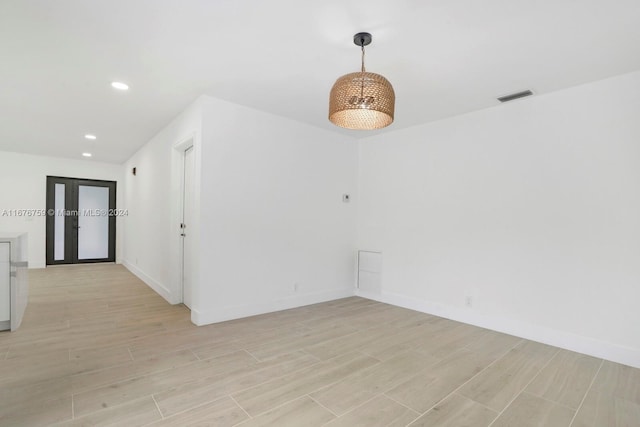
120	85
89	136
86	154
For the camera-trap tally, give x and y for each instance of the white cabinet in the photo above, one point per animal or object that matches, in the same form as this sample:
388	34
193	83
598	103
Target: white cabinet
5	285
14	286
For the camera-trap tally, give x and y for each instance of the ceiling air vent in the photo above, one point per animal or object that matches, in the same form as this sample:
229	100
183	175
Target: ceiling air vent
516	95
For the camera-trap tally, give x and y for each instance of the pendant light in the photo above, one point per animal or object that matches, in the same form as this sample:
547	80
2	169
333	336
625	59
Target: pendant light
362	100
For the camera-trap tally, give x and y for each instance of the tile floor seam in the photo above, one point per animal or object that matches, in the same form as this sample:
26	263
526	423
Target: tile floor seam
362	404
105	409
329	341
130	377
471	379
400	353
273	408
157	407
419	371
476	402
200	359
549	400
593	380
267	381
520	340
289	401
321	405
184	411
240	406
252	355
524	388
310	355
418	414
195	355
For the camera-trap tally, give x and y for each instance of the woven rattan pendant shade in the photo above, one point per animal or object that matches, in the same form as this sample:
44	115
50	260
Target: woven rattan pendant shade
362	100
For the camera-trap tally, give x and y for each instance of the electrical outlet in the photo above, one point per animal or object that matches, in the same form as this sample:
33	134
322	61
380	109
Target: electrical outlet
468	301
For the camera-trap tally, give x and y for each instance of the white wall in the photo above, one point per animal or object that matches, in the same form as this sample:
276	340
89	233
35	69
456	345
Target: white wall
23	179
272	214
152	245
531	208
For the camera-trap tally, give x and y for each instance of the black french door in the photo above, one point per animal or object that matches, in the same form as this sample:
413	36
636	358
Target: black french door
81	220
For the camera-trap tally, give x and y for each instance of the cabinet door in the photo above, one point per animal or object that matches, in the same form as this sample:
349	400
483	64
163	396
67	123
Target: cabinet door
5	282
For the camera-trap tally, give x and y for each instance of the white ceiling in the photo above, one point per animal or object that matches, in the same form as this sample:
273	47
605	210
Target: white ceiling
444	57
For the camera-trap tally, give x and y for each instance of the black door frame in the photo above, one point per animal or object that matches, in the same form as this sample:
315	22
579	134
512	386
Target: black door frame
71	219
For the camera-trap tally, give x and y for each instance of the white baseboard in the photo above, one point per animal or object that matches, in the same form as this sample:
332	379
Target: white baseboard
153	284
237	312
34	265
566	340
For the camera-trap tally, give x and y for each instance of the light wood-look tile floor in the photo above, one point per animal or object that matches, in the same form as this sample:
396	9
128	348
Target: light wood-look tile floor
98	347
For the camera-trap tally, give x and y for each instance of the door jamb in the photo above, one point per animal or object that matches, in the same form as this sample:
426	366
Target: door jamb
179	149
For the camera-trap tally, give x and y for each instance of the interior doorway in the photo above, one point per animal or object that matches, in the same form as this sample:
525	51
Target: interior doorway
188	189
81	221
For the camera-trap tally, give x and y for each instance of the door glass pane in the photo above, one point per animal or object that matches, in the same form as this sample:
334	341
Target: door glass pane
93	222
58	223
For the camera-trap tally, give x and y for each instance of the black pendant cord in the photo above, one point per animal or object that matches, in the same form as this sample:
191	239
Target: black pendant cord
363	71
